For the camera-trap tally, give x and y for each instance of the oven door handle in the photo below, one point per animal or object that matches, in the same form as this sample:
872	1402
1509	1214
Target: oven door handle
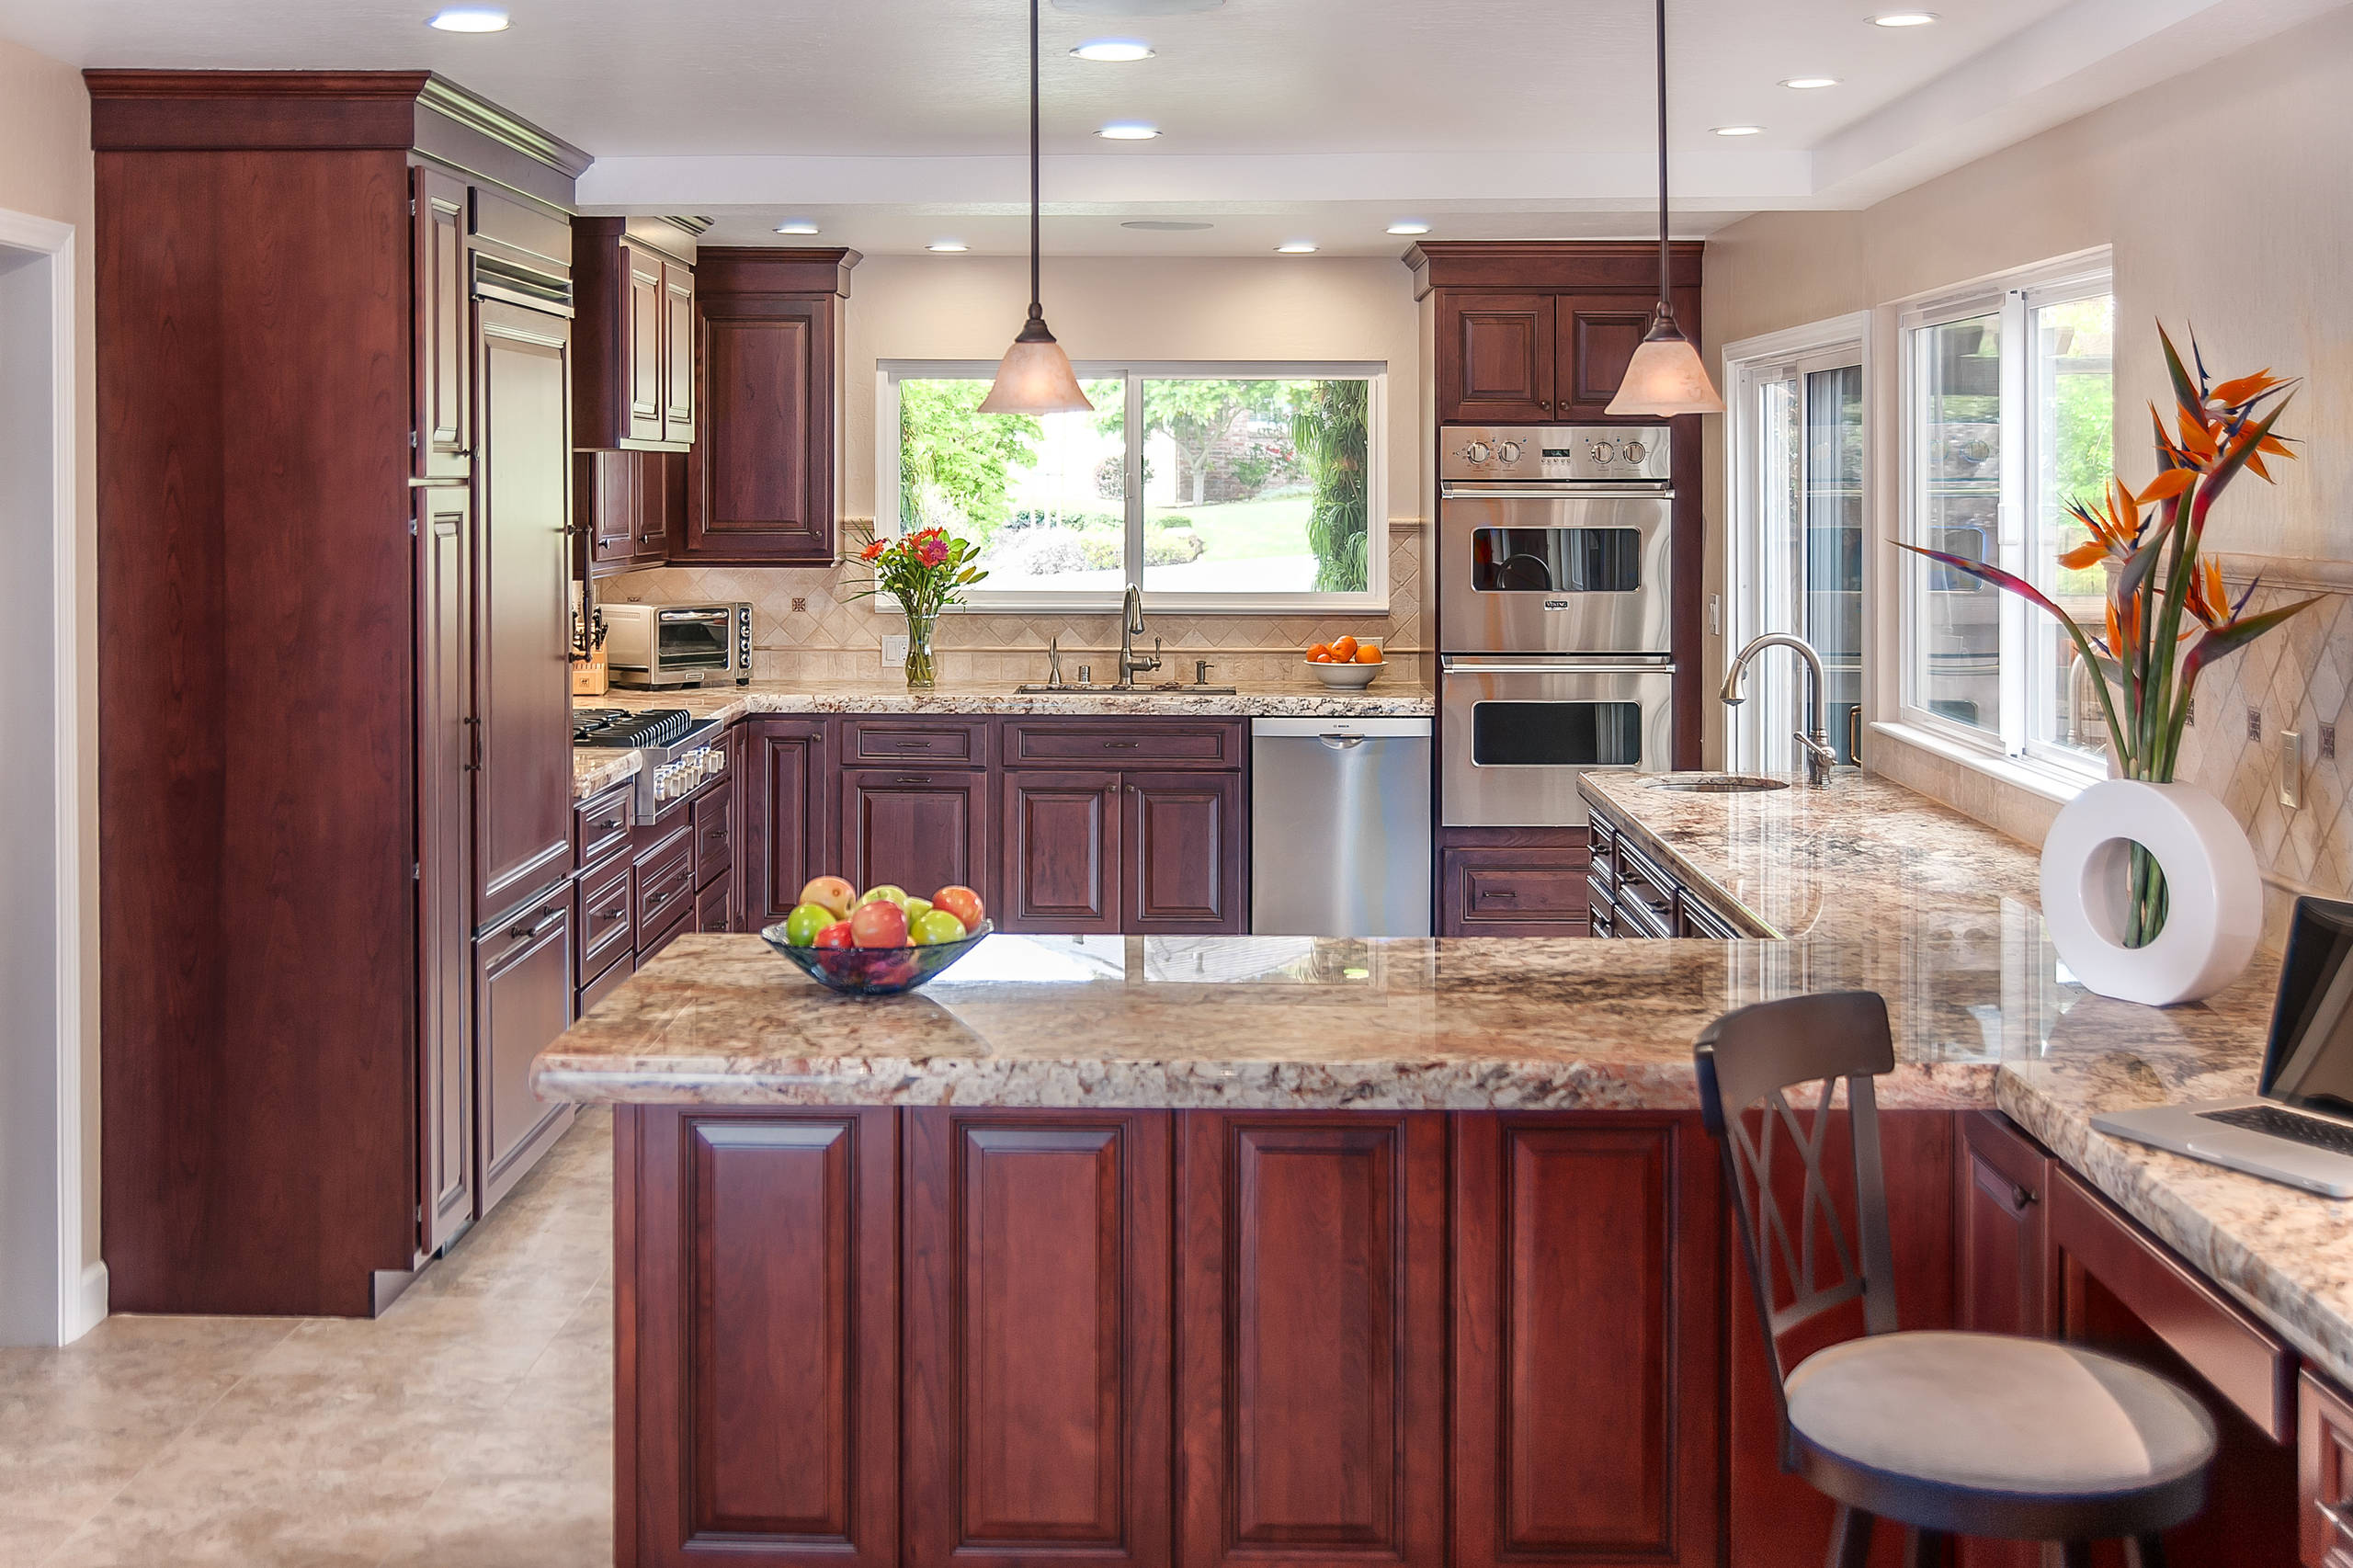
1566	490
1453	665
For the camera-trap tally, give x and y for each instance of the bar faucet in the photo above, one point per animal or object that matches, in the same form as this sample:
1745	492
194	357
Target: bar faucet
1130	624
1819	756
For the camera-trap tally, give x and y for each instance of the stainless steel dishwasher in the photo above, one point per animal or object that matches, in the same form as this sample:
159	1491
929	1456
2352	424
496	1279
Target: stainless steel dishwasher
1340	827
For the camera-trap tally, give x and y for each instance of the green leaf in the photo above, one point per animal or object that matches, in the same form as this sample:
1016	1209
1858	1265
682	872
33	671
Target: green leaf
2184	391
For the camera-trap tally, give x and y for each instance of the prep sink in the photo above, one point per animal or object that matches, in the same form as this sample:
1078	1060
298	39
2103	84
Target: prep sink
1719	783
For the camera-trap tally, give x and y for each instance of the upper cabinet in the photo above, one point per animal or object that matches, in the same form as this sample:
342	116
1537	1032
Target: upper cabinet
635	387
1541	333
761	481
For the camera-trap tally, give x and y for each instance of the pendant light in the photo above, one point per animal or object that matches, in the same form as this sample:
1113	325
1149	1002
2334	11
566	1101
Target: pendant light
1665	376
1035	376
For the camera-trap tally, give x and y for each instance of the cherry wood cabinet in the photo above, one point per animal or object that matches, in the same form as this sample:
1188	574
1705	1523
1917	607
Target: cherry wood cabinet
766	463
786	837
2004	1287
1062	852
442	424
445	765
1595	336
1310	1365
628	507
1587	1339
1489	888
1184	849
2325	1473
758	1312
1497	358
1037	1332
524	1000
680	394
635	300
920	830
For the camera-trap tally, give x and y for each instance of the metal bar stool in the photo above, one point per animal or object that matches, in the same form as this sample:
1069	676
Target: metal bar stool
1946	1434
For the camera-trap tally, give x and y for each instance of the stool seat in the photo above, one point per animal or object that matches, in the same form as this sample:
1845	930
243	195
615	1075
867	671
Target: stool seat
1992	1414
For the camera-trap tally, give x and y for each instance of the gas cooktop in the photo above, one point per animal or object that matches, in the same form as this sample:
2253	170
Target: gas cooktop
621	728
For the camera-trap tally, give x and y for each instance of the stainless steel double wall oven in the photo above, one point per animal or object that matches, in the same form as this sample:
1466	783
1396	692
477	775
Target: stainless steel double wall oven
1555	587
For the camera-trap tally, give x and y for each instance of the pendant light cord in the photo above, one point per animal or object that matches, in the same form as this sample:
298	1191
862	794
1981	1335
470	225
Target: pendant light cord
1665	303
1037	305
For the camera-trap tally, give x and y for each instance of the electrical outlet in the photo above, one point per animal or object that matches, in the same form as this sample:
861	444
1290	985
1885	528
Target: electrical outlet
894	650
2255	724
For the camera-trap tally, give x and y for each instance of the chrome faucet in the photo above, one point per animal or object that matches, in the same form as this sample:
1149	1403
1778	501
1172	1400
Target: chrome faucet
1819	756
1130	624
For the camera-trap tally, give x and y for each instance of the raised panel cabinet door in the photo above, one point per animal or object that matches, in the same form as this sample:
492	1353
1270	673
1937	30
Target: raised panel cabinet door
760	481
523	1000
645	317
757	1395
786	776
661	503
1037	1338
1061	853
2324	1473
921	830
605	500
443	426
678	352
1496	357
2003	1284
1588	1309
1182	849
522	608
445	885
1599	333
1312	1338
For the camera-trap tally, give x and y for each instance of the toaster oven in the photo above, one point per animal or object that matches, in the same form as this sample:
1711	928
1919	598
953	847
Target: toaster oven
655	647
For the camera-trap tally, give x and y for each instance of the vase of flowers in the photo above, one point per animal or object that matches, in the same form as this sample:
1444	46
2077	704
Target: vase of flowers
2168	618
927	572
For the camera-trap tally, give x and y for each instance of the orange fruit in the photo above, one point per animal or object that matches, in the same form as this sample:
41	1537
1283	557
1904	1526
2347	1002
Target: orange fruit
1319	653
1345	649
1368	654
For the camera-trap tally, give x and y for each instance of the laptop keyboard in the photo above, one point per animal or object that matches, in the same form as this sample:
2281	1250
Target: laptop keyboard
2332	1136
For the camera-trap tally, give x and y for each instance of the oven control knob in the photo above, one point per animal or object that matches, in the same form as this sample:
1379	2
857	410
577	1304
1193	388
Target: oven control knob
1507	451
1633	451
1602	451
1478	451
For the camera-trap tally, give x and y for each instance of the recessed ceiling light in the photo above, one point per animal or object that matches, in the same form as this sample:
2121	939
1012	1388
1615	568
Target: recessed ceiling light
469	19
1808	84
796	226
1409	226
1296	247
1904	18
1128	131
1114	49
1164	225
1740	130
947	246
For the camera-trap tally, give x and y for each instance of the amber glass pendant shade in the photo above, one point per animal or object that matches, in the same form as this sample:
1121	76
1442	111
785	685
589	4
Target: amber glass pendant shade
1035	377
1665	377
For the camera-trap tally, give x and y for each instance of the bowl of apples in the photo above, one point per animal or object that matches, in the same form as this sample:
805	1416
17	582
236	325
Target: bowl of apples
879	942
1346	663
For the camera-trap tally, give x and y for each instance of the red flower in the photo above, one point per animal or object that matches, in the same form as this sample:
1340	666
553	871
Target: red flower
929	548
873	550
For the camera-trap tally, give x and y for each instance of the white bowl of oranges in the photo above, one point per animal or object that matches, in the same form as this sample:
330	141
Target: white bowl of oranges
1345	663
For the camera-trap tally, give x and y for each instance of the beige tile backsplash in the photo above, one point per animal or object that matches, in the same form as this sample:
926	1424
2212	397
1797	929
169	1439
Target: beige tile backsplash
808	626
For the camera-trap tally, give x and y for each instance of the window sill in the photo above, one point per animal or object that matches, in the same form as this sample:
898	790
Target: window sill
2055	785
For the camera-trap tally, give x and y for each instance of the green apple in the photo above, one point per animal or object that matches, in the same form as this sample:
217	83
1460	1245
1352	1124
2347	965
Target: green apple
884	892
917	909
801	926
934	926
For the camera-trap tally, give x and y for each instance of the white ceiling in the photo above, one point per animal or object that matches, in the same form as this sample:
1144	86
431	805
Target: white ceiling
895	122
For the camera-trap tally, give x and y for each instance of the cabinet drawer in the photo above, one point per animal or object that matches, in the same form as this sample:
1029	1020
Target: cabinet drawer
666	886
715	905
677	927
1162	743
1516	891
713	818
600	824
926	740
2324	1465
604	986
1698	920
602	915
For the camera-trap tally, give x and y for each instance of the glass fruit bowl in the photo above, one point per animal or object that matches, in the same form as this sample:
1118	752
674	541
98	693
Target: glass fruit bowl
874	971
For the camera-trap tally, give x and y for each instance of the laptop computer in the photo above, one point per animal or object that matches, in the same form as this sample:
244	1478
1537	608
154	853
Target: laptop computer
2299	1129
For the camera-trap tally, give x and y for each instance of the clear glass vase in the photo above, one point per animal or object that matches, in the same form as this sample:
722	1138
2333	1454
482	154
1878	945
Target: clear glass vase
921	675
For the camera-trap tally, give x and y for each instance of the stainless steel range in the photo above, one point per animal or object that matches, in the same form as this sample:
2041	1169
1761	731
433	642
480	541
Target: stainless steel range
1555	587
676	751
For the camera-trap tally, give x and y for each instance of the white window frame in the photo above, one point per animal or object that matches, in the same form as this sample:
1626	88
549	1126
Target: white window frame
1774	707
2008	751
1373	600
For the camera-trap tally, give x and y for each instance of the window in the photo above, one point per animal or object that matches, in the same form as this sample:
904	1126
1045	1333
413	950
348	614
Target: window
1237	487
2007	415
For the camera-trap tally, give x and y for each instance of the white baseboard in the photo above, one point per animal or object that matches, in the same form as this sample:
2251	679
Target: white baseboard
90	1303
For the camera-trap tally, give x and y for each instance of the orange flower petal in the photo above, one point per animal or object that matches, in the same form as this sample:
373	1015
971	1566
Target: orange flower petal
2082	555
2230	394
2169	484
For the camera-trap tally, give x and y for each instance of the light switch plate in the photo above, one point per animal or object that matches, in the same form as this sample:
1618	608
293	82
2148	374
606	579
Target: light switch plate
894	650
2291	769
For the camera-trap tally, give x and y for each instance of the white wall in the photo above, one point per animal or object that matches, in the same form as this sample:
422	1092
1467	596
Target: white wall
45	173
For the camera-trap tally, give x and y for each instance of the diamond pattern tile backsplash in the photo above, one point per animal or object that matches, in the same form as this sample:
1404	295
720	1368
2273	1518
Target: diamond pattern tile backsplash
835	635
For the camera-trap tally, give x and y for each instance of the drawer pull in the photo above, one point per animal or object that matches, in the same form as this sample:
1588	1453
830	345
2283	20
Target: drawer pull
541	918
611	914
1497	892
608	827
919	744
1118	745
912	779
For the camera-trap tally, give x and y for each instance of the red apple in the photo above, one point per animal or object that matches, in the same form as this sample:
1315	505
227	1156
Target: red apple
833	893
963	903
834	935
878	924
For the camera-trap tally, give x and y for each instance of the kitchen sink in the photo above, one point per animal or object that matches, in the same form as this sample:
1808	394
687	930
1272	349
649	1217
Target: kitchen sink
1719	783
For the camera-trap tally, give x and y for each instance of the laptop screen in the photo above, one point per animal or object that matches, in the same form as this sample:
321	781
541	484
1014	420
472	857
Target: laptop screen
2309	1060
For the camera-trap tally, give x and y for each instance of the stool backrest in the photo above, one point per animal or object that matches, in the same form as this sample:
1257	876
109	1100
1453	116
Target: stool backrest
1752	1058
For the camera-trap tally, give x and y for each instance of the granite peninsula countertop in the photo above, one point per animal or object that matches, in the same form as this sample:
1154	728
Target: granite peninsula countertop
1983	1018
1391	696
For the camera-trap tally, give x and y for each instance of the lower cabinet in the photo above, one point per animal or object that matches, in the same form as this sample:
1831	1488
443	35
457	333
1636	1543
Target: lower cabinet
2325	1486
1184	859
1037	1335
1061	848
1156	853
1514	891
787	776
1588	1303
922	830
523	999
